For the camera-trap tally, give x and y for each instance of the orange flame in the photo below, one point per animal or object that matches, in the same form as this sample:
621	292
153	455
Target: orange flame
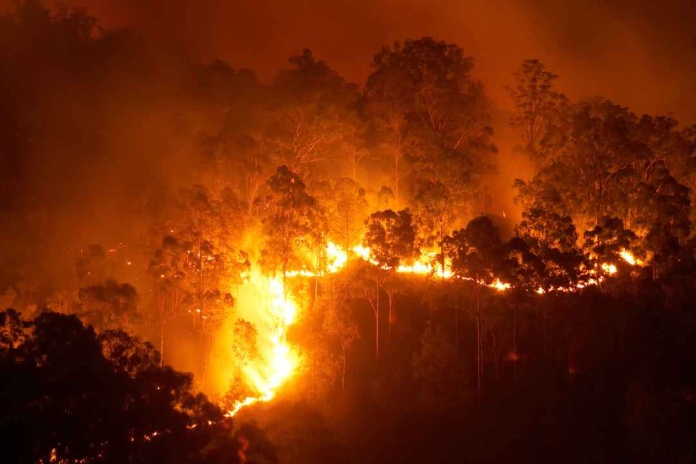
629	258
280	360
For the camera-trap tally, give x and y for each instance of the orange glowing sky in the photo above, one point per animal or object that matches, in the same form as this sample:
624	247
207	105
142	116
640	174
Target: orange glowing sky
639	53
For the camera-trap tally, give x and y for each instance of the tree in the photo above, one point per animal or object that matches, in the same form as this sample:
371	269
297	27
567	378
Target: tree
310	112
245	352
391	238
476	253
608	239
426	108
242	153
73	396
108	306
166	269
197	263
662	217
291	223
550	237
541	112
435	212
436	369
344	206
339	322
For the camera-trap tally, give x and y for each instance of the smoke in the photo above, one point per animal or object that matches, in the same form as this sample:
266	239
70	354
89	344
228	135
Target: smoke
639	53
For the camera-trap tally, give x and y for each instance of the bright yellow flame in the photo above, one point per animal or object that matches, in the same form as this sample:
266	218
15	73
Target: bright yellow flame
363	252
609	268
628	257
500	286
280	362
337	257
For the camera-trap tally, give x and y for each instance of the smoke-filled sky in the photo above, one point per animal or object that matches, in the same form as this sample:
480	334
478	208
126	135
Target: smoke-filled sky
640	53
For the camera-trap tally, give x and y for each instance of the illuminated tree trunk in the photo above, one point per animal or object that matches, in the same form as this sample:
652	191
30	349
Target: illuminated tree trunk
390	295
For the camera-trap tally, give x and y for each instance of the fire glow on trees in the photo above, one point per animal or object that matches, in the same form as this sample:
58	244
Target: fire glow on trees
279	361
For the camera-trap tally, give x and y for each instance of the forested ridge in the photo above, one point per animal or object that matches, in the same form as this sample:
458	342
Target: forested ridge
199	265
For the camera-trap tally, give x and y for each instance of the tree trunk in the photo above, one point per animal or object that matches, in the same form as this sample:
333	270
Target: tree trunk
456	321
495	351
478	342
377	322
161	305
514	344
343	372
390	295
205	356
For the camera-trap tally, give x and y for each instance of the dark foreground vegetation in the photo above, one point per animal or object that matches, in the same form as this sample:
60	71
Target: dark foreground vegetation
141	190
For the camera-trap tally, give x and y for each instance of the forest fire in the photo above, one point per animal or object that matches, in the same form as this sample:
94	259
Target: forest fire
210	261
277	361
629	258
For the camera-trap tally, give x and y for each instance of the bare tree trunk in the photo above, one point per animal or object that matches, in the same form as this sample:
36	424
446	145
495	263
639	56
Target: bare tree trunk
205	357
514	343
478	342
456	320
377	322
161	308
390	295
495	351
343	372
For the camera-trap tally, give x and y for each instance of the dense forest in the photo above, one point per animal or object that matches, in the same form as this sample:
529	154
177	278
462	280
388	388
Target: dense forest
198	265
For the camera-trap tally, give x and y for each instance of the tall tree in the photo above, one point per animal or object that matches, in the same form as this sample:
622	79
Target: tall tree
426	108
477	254
108	306
391	238
437	370
292	223
339	321
344	205
310	112
540	111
